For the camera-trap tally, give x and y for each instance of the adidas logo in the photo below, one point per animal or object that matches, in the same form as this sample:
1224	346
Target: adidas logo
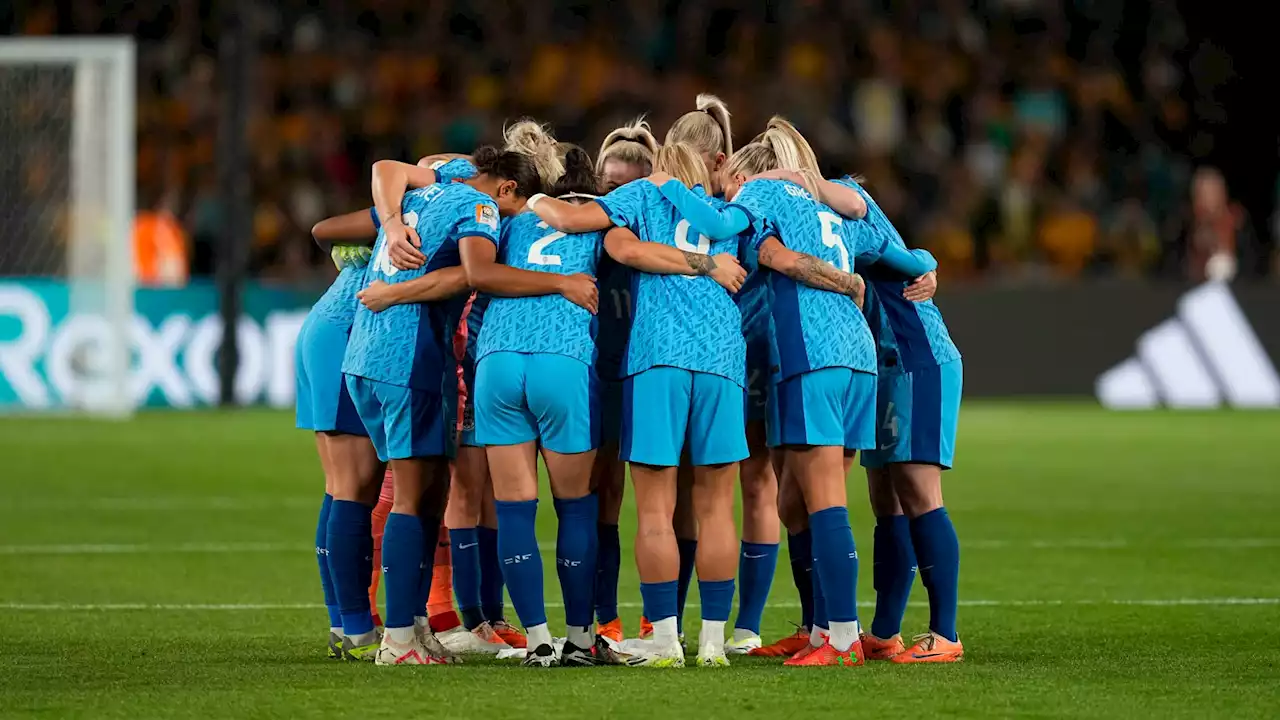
1204	357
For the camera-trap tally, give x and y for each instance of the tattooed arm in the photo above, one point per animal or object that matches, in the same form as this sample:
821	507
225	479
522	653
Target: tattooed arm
658	259
810	270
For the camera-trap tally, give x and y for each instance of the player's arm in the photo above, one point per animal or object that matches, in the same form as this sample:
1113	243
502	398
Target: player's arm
354	228
810	270
431	160
911	263
486	274
390	181
628	249
436	285
841	198
570	217
715	223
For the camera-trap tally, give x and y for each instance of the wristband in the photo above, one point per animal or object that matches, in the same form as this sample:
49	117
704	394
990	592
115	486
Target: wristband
535	199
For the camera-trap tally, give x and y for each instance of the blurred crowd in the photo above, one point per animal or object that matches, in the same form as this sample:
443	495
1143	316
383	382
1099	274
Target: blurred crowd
1014	138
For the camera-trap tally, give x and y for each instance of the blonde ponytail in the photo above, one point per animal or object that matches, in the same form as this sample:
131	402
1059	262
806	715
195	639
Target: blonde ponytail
530	138
683	162
791	148
707	129
633	144
752	159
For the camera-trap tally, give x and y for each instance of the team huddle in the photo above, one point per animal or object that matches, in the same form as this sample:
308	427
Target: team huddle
697	317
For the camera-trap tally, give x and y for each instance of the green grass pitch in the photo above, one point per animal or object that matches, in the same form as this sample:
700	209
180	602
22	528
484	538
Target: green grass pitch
1114	565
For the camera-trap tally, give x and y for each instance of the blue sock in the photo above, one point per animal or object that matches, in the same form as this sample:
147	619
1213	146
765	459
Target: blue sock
819	604
430	536
756	565
659	600
836	561
894	571
576	558
717	599
688	554
521	562
402	568
800	547
351	563
464	553
608	565
491	598
938	554
322	559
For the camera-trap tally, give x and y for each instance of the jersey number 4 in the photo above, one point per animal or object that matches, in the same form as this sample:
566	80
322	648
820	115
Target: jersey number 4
382	261
831	237
538	254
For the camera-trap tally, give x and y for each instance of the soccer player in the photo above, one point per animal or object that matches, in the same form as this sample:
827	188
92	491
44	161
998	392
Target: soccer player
395	368
536	391
626	154
685	368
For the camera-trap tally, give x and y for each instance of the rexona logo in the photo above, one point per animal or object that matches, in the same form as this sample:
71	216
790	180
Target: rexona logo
1206	356
51	362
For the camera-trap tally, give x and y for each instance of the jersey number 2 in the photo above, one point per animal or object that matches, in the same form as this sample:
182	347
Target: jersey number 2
537	251
831	238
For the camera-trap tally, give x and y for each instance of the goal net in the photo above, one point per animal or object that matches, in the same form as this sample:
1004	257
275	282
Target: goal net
66	215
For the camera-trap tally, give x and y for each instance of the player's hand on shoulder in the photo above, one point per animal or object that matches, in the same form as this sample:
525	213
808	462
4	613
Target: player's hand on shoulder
922	288
378	296
728	272
580	289
402	245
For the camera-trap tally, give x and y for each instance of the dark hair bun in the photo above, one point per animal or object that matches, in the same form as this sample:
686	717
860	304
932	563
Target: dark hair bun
579	174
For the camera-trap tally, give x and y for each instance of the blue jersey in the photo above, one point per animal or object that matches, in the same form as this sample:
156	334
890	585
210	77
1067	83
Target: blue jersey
338	304
813	328
457	169
614	320
542	323
409	345
909	334
683	321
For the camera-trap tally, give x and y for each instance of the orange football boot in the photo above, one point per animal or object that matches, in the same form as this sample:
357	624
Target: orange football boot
509	634
877	649
646	628
786	647
828	655
611	630
931	648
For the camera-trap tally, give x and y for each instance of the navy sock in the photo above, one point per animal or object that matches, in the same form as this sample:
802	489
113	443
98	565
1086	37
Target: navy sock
521	562
491	598
322	559
894	571
938	555
717	599
430	536
608	565
402	568
659	600
800	547
350	546
464	549
835	559
688	555
576	558
756	565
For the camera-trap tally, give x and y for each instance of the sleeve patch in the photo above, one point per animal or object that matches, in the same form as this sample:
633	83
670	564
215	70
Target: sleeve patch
486	215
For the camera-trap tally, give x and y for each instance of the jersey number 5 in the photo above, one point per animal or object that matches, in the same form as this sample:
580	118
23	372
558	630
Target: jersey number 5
831	237
537	251
382	261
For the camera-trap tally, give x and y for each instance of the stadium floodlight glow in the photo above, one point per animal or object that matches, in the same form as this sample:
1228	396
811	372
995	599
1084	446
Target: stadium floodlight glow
67	193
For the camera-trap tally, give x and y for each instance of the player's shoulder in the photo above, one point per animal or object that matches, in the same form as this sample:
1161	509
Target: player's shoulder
455	168
524	223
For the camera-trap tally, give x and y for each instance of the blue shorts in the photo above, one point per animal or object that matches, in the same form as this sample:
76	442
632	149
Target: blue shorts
323	403
402	422
611	411
537	396
917	414
664	406
827	407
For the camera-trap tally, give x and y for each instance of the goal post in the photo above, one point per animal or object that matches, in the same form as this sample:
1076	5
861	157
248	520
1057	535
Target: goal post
67	205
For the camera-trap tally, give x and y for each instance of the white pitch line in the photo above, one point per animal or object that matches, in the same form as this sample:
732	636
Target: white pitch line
263	547
266	607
